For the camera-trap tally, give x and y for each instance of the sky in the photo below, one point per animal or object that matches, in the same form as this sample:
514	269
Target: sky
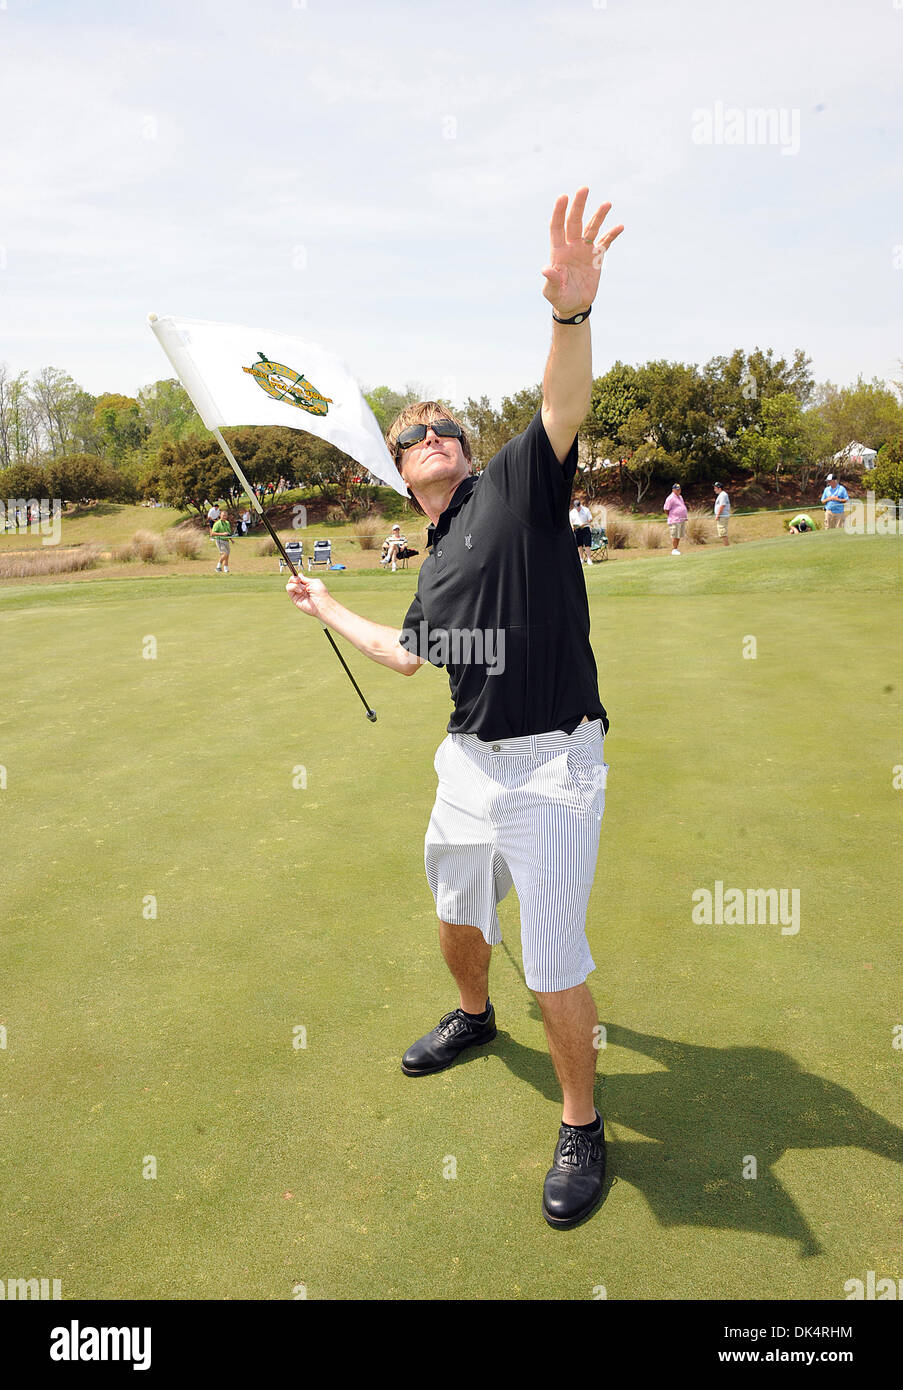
379	177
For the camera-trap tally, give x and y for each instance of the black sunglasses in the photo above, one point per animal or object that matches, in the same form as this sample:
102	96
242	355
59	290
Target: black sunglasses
415	434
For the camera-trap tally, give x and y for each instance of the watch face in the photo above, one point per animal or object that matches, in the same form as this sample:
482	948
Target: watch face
285	384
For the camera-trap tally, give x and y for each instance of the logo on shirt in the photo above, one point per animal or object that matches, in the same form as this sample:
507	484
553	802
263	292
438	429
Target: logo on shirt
468	541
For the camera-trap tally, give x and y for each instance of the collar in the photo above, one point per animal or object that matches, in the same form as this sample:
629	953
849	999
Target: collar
457	500
462	491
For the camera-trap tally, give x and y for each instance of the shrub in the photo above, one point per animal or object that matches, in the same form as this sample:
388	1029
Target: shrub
618	527
25	564
186	544
699	527
267	547
124	554
886	478
148	547
367	532
652	535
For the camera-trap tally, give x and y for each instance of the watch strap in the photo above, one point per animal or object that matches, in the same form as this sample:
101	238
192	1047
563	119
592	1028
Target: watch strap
578	318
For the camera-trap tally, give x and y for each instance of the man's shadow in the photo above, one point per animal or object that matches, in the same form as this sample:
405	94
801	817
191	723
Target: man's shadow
710	1113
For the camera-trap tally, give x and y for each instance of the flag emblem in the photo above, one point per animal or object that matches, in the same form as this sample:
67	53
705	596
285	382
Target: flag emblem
284	384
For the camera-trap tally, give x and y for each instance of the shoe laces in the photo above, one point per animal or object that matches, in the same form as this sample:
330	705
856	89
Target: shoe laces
448	1021
577	1147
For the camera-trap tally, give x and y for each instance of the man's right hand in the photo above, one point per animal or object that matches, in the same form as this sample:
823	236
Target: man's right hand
307	594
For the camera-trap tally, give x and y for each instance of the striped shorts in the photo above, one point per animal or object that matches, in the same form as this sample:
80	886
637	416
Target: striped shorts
528	812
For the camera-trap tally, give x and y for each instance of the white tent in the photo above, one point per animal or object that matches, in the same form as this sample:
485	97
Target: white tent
857	453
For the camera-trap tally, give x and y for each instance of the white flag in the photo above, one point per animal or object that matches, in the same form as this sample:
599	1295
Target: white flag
248	376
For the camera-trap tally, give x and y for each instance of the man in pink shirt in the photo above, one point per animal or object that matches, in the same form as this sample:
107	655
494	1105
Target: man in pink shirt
676	508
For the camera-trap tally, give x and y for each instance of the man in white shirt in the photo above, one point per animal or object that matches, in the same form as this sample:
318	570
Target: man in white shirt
213	514
581	517
722	512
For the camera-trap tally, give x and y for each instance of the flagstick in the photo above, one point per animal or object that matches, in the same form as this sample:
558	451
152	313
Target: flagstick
252	497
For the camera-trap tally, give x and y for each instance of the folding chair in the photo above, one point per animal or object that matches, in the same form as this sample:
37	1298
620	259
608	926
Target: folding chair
599	546
322	555
293	550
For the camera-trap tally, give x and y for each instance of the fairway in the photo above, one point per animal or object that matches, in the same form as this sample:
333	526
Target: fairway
219	941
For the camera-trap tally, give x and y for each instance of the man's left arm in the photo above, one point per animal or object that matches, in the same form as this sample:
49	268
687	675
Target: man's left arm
572	282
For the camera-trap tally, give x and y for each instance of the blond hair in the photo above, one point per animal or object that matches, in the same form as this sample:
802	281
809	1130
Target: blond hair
422	413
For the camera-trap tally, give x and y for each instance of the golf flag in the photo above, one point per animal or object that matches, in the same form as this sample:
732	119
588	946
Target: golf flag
247	376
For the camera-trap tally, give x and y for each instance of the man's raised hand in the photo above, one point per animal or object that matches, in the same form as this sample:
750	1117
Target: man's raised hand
575	258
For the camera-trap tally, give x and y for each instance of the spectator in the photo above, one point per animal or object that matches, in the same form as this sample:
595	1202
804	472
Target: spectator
395	547
834	498
245	521
722	512
221	532
581	519
676	508
213	515
801	523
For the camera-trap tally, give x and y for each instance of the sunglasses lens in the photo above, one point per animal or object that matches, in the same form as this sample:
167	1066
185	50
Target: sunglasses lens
415	434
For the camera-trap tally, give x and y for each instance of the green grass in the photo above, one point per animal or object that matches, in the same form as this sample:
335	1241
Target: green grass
112	523
276	907
107	523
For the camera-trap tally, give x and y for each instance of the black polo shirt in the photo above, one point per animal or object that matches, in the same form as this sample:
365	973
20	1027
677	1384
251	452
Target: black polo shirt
501	598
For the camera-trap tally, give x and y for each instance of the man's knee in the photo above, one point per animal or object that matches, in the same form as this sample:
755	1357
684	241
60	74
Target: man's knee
562	1000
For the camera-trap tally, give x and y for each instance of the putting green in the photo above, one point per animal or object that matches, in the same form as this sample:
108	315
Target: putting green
175	785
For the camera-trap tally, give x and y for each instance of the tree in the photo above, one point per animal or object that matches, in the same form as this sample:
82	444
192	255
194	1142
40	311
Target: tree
816	446
518	410
757	451
614	396
737	387
644	455
386	404
340	478
488	429
886	478
119	425
644	464
65	412
483	426
188	472
19	429
22	480
86	478
868	412
191	471
786	440
677	402
167	413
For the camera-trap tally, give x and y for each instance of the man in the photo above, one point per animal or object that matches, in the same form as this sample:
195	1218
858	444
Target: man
722	512
213	514
801	523
580	519
521	772
834	498
676	508
392	545
221	532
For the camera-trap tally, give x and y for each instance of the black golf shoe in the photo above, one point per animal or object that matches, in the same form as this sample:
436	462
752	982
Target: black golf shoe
575	1180
453	1033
